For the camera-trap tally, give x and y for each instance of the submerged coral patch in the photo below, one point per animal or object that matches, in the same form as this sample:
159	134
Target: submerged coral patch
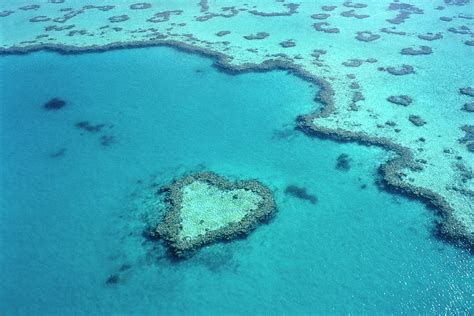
416	120
367	36
423	50
400	99
288	43
41	18
402	70
5	13
54	104
468	107
430	36
257	36
467	91
300	193
320	16
140	6
343	162
205	207
321	27
119	18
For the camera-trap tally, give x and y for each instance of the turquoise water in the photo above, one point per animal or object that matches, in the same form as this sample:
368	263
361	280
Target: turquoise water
69	222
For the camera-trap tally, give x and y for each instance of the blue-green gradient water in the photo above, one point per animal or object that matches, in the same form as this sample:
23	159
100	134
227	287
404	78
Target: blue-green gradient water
69	222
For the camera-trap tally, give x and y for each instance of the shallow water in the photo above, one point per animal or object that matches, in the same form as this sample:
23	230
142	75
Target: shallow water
69	222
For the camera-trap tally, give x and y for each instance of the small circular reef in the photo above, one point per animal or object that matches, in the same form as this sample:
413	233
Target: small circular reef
204	208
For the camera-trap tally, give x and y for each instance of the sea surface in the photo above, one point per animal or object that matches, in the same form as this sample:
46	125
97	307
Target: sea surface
75	202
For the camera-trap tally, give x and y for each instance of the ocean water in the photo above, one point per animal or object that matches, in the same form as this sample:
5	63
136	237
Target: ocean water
71	221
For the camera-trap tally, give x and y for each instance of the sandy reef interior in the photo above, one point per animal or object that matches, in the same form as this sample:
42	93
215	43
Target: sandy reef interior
404	50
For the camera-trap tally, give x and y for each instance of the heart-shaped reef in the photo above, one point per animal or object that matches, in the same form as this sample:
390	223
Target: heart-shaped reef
204	208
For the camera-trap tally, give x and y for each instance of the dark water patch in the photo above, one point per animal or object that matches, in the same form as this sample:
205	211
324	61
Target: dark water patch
402	99
119	18
392	30
300	193
257	36
216	260
54	104
371	60
422	50
343	162
125	267
59	153
469	43
288	44
140	6
352	14
366	36
430	36
283	134
57	1
320	16
321	27
399	71
469	91
416	120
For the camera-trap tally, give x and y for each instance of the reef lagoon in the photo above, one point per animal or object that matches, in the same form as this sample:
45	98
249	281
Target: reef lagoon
308	158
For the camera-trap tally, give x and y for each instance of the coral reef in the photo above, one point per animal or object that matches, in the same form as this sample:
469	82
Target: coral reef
205	207
257	36
469	91
140	6
119	18
400	99
288	43
401	71
321	28
416	120
367	36
430	36
468	107
423	50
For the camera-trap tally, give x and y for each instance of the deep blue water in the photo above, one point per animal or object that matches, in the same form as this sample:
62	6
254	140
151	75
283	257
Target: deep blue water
69	222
